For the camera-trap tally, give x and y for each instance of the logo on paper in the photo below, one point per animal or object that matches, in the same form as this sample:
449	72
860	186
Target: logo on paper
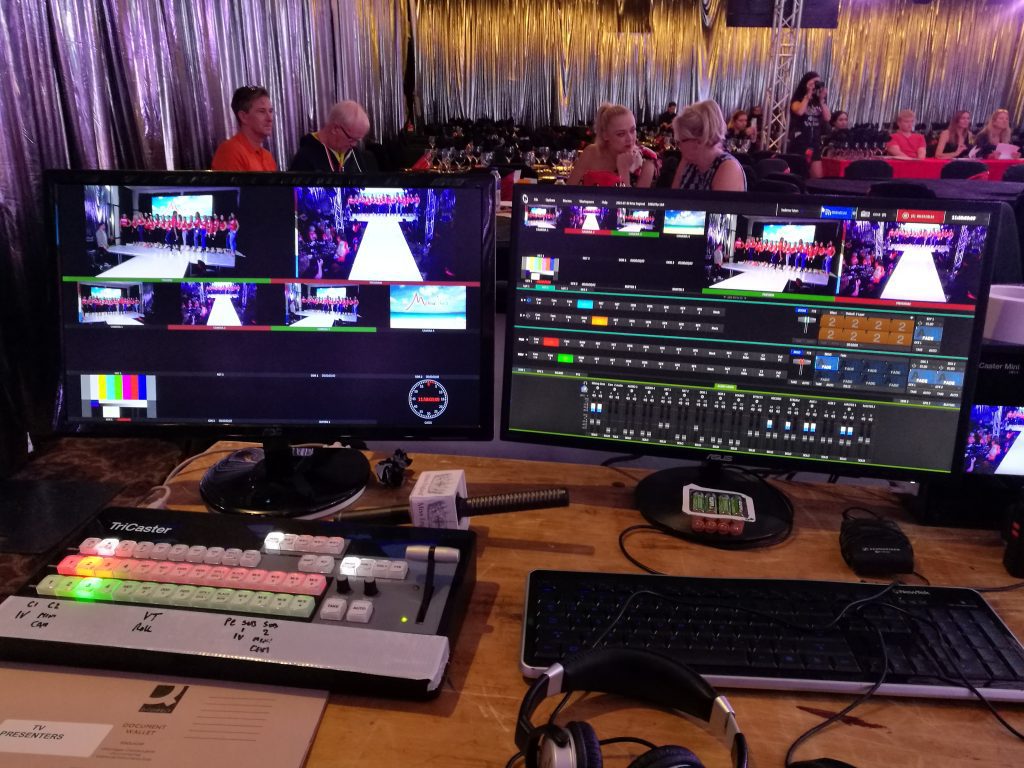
164	699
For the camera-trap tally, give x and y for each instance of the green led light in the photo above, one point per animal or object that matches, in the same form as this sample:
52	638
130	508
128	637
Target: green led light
405	619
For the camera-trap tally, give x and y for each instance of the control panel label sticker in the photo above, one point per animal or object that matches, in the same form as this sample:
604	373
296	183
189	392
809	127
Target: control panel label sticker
41	737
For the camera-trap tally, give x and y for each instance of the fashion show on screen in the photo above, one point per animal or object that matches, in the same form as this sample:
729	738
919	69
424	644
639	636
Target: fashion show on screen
321	306
993	444
387	235
115	303
159	233
912	261
218	304
748	253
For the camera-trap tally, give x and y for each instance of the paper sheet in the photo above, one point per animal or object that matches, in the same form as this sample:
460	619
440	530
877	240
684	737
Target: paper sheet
52	717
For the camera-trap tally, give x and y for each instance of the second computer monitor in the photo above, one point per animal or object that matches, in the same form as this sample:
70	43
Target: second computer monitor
837	335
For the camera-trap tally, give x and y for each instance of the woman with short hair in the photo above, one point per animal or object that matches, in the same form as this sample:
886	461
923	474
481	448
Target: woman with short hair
699	133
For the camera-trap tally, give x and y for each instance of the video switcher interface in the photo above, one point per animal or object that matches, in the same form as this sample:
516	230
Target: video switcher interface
814	331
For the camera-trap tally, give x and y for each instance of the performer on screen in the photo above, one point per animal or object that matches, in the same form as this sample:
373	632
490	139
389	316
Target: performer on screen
232	224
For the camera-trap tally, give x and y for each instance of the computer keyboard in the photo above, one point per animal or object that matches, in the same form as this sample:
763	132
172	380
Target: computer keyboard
341	606
760	633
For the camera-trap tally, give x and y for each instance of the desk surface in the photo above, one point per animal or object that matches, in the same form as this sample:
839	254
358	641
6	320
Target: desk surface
471	723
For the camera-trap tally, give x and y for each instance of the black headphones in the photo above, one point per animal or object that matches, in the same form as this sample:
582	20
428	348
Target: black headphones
644	675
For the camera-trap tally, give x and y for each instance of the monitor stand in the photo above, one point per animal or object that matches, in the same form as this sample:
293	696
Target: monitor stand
278	480
659	497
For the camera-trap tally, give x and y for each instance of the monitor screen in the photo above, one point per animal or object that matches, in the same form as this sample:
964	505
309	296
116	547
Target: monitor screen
829	334
338	306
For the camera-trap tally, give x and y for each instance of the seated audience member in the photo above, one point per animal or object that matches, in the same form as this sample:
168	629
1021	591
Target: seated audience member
614	158
244	151
840	121
904	142
739	134
665	118
809	114
704	164
955	140
335	147
996	131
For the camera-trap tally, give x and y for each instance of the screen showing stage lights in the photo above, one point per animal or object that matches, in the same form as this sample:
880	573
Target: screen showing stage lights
838	335
237	304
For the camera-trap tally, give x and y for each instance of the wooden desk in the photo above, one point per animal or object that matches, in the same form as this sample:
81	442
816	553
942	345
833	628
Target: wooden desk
471	724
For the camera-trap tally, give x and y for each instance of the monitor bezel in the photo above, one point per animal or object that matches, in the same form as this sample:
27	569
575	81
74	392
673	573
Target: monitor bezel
777	463
481	184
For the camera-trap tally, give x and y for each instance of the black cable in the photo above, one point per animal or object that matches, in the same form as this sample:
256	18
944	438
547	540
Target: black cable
803	737
1007	588
624	457
622	546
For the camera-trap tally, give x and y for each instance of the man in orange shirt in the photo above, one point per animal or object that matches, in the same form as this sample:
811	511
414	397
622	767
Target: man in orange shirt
244	151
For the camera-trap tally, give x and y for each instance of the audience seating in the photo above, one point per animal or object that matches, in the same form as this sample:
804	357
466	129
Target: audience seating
868	169
771	165
901	189
776	187
962	169
797	163
1014	173
787	178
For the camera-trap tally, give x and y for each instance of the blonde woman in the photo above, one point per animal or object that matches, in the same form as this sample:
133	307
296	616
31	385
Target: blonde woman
956	140
996	131
615	158
704	164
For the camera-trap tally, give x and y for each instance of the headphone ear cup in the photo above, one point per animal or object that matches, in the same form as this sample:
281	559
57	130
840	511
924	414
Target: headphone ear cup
667	757
585	744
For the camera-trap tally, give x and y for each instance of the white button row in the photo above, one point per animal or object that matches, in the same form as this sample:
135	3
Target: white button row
277	541
338	608
175	553
310	563
366	567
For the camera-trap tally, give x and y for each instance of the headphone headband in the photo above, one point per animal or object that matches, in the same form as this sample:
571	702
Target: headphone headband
644	675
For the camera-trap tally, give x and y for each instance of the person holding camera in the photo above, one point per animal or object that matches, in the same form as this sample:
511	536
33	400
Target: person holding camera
808	114
904	143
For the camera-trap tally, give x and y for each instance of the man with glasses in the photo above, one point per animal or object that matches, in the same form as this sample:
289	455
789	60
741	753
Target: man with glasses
244	151
335	147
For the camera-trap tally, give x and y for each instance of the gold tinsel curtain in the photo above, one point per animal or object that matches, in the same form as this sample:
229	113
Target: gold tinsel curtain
540	61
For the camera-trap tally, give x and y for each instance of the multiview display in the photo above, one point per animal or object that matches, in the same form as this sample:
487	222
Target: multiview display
275	301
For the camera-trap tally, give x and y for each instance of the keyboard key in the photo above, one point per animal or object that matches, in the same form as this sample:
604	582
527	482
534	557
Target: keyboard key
360	611
47	587
125	548
250	558
348	566
182	594
196	553
279	604
335	545
398	569
107	547
67	585
222	599
272	543
143	550
232	557
318	545
213	556
177	553
106	589
333	609
126	592
304	543
203	597
314	584
274	580
88	546
160	551
146	592
307	563
255	578
241	599
288	542
69	564
301	606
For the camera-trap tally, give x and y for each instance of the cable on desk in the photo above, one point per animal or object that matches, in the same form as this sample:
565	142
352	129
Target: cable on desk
617	459
625	553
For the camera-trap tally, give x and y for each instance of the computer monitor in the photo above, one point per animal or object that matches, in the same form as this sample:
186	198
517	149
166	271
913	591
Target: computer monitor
812	333
275	307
